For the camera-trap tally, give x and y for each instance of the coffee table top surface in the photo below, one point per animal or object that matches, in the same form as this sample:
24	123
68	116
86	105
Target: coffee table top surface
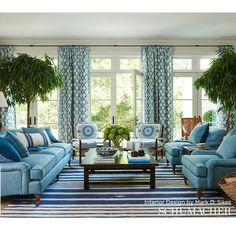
92	158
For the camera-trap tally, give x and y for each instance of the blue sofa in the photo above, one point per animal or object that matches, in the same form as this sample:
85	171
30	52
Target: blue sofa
174	150
204	168
34	173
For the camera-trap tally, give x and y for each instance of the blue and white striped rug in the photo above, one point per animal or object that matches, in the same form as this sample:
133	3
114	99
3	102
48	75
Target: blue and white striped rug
171	198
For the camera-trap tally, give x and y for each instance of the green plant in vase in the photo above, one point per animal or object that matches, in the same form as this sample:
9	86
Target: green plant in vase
116	134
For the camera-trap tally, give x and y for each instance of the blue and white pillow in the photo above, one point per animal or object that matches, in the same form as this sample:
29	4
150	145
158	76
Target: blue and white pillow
20	147
150	131
40	139
86	131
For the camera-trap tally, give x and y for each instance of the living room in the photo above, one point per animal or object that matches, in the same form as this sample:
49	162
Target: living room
117	114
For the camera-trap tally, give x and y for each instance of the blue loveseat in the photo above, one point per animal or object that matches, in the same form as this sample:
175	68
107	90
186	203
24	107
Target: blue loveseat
174	150
34	173
204	168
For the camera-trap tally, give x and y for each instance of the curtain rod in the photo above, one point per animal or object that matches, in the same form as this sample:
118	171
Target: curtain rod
112	45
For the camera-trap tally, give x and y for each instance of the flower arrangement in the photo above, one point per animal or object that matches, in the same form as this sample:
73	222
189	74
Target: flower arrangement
116	134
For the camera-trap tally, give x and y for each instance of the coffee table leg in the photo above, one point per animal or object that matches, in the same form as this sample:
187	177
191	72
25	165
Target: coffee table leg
152	178
86	178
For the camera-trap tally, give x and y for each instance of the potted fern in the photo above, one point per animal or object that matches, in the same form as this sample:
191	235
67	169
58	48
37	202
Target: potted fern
24	78
219	81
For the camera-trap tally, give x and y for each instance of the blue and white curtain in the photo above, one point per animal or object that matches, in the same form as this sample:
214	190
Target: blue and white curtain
73	63
8	114
157	67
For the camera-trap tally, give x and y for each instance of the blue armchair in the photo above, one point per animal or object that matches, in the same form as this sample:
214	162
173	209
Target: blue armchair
212	137
204	169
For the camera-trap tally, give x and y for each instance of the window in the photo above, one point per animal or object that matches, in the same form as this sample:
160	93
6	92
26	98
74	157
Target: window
115	91
187	100
183	101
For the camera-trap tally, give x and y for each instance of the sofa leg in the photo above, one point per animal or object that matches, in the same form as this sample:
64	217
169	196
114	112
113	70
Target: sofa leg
174	168
167	162
58	177
69	162
37	198
199	193
185	180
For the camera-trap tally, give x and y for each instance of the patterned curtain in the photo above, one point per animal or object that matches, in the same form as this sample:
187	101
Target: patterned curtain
157	67
73	63
8	114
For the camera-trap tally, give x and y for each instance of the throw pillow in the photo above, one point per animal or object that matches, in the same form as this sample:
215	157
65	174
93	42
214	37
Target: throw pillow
32	130
199	133
227	149
22	150
34	139
50	135
8	151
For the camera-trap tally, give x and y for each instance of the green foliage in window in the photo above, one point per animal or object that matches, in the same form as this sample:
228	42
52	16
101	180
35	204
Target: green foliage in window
209	116
24	79
219	81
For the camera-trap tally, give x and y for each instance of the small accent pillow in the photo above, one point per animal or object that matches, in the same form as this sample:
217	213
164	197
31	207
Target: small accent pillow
8	151
22	150
86	131
227	149
40	139
150	131
199	133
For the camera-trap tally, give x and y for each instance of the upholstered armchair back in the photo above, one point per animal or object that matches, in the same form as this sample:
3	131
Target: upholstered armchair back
149	131
86	131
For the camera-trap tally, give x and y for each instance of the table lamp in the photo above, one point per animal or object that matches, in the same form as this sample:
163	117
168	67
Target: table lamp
3	104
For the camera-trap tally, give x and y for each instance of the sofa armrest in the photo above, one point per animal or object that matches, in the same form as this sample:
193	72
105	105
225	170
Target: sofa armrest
15	178
211	164
204	152
14	166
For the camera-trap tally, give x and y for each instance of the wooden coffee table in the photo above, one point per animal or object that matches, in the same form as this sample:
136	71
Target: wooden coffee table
91	166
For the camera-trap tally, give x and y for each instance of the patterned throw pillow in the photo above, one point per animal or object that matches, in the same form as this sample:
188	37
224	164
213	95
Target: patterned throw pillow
40	139
21	149
86	131
151	131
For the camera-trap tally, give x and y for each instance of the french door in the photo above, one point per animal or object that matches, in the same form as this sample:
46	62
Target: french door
117	99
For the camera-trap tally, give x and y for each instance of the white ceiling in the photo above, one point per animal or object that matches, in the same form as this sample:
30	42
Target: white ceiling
117	26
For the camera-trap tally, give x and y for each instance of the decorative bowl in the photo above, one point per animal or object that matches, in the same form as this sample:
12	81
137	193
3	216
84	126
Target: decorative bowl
106	151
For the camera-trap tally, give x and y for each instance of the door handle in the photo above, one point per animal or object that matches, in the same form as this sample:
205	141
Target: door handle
34	120
30	120
113	120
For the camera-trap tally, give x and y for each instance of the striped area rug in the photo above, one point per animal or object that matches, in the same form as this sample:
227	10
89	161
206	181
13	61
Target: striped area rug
171	198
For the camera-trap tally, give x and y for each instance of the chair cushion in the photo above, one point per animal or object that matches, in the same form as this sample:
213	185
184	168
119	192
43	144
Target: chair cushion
176	148
65	146
21	149
197	163
57	152
199	133
151	131
86	143
41	165
146	143
8	151
227	149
